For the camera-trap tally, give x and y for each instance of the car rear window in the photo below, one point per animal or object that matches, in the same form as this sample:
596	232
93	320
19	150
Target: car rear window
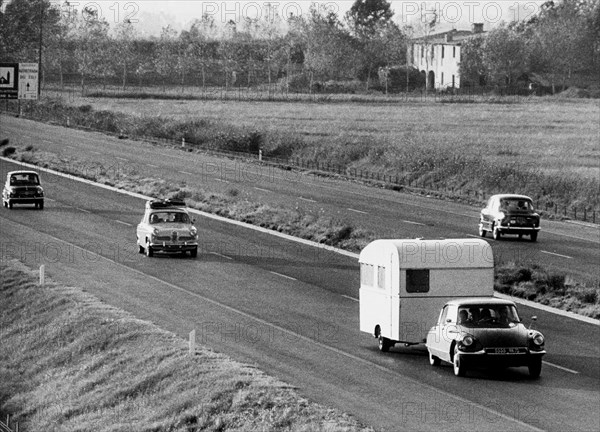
24	179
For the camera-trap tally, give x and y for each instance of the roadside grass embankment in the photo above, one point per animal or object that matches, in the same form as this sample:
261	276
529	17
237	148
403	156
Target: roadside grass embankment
72	363
534	283
470	150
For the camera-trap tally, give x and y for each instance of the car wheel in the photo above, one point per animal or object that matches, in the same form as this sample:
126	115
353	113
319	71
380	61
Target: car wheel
41	205
141	249
481	230
434	360
533	236
4	203
10	205
535	368
194	253
384	344
458	365
496	233
149	251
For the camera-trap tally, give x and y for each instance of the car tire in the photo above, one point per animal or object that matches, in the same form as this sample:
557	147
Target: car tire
148	249
384	344
535	368
194	253
41	205
434	360
496	233
10	205
458	365
141	249
482	232
533	236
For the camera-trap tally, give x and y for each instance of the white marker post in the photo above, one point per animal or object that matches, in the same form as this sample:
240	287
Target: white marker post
192	342
42	275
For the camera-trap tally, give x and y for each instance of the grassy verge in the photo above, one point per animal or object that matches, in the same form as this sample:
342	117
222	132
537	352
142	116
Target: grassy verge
487	149
71	363
531	283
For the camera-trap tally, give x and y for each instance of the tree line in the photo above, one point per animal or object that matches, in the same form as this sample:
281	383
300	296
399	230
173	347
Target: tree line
298	52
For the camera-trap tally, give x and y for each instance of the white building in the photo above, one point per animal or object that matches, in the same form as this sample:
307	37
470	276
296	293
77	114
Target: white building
437	56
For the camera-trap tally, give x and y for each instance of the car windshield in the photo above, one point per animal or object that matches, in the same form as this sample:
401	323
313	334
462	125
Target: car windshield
24	179
488	315
516	204
169	217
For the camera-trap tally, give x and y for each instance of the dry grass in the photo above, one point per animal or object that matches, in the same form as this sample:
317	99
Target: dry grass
557	136
71	363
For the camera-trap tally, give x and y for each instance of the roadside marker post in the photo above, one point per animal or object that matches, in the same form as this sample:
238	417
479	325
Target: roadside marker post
42	275
192	342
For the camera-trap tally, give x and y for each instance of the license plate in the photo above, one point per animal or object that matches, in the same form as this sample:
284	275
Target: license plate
506	351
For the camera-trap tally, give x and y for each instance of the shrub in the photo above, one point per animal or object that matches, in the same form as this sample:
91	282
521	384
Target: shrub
8	151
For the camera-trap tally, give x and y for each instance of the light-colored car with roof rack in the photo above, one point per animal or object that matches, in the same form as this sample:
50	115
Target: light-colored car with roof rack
167	227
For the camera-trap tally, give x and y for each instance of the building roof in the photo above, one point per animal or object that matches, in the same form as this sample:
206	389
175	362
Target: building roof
451	37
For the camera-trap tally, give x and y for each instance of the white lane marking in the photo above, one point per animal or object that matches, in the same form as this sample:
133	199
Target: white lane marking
289	237
221	255
123	223
472	235
351	298
83	210
307	199
121	158
560	367
284	276
261	189
151	165
556	254
186	173
413	222
357	211
221	180
50	199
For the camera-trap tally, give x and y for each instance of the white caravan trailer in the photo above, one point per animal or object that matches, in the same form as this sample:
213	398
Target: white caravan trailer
405	283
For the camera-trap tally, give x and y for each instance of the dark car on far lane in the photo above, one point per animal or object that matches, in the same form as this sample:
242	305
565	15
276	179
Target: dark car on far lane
509	214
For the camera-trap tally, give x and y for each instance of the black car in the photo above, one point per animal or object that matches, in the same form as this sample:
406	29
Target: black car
23	187
509	214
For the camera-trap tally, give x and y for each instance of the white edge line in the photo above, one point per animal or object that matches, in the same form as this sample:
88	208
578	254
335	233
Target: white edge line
548	309
413	222
288	237
152	165
357	211
351	298
186	173
307	199
220	255
556	254
560	367
284	276
307	339
83	210
122	223
261	189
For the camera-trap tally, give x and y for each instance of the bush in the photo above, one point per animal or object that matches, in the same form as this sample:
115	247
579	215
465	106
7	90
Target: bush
8	151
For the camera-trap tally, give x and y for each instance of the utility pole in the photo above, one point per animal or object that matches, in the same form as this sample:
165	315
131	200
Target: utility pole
39	89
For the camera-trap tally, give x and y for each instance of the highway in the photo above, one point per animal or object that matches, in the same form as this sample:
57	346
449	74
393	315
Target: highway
571	248
291	309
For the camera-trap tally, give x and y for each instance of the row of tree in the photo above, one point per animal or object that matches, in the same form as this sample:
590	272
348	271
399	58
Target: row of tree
563	38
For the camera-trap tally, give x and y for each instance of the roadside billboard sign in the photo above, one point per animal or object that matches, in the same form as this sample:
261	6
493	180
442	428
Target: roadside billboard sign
28	81
9	80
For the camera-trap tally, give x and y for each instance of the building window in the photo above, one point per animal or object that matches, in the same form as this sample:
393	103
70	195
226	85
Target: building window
453	81
442	78
422	51
443	51
417	281
380	277
367	273
453	52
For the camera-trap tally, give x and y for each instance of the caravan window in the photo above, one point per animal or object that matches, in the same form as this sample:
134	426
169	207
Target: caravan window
417	281
367	273
380	277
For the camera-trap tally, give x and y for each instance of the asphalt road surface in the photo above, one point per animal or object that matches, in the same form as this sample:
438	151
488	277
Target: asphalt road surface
291	309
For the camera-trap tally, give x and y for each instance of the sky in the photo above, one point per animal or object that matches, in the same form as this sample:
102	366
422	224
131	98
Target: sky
150	16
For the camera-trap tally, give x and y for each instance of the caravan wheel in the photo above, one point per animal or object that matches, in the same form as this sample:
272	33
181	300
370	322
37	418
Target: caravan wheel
385	344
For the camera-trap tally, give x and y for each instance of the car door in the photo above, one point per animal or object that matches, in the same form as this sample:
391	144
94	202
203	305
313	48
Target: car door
435	339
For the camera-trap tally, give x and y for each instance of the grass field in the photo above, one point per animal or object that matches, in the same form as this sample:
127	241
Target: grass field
554	135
